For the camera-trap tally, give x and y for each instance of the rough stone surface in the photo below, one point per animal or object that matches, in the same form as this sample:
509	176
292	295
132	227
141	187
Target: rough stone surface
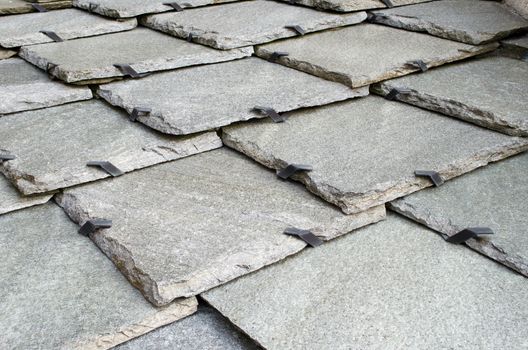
20	30
133	8
53	145
4	53
11	199
490	92
373	53
24	87
206	329
393	285
364	152
519	6
60	292
495	196
196	223
351	5
13	7
92	59
469	21
231	91
250	23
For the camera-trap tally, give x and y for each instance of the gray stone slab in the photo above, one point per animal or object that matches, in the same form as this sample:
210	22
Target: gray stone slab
250	23
60	292
11	199
92	59
207	97
393	285
63	139
14	7
495	197
201	221
205	329
134	8
351	5
491	92
469	21
519	6
364	152
20	30
24	87
373	53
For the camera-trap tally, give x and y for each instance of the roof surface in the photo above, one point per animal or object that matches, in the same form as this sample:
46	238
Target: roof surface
341	174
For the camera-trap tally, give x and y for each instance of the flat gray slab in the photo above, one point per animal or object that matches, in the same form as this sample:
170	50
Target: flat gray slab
207	97
519	6
14	7
250	23
11	199
373	53
393	285
495	197
364	152
351	5
53	145
469	21
24	87
205	329
20	30
199	222
134	8
490	92
60	292
145	50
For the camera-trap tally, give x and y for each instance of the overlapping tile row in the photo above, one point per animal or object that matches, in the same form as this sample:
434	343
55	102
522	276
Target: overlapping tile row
352	5
208	218
14	7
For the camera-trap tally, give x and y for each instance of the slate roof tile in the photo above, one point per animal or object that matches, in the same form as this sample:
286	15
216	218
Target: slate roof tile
373	53
92	60
472	91
352	5
11	199
15	7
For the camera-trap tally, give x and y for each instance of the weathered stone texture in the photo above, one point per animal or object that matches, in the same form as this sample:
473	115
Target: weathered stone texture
351	5
519	6
393	285
490	92
68	24
230	90
11	199
187	226
134	8
60	292
65	138
364	152
495	196
14	7
250	23
24	87
92	59
372	53
469	21
5	53
206	329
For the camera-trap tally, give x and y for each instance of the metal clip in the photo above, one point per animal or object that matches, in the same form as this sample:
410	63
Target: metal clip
435	177
418	64
174	5
388	3
52	35
396	92
106	166
470	232
278	54
92	7
39	8
5	157
137	112
270	112
292	169
127	70
305	235
91	226
296	28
